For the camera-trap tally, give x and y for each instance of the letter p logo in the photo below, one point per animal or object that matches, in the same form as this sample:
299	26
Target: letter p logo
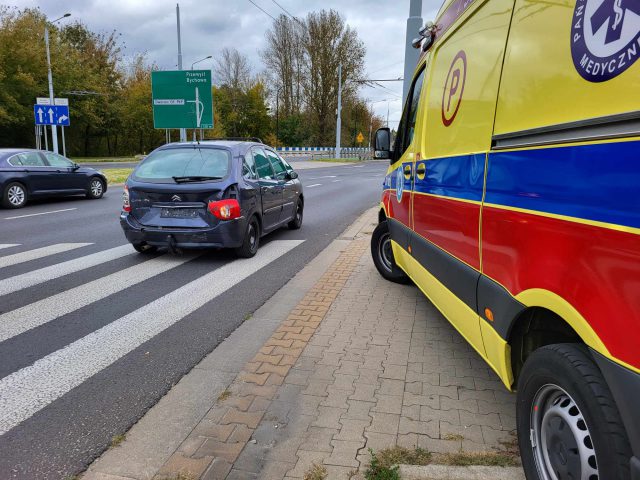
454	88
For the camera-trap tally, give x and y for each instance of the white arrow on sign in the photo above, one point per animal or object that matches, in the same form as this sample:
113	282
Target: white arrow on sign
40	115
62	118
50	115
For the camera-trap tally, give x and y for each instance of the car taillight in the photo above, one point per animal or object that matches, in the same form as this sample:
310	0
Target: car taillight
126	206
225	209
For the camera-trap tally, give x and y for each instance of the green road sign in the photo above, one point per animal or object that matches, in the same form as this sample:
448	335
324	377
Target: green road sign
182	99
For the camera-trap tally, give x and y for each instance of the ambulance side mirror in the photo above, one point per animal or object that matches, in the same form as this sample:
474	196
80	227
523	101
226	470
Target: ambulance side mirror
382	144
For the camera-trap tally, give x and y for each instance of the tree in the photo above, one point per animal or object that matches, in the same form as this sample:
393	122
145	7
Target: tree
242	113
329	43
285	60
232	69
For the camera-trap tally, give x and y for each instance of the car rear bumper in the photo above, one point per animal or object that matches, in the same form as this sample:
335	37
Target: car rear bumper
226	234
625	387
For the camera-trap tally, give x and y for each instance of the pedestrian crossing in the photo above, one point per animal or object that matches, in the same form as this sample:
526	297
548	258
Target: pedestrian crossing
28	390
29	255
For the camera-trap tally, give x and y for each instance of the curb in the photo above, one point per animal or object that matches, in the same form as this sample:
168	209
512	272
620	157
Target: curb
445	472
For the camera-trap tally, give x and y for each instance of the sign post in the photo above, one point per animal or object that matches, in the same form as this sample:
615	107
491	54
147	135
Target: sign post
182	99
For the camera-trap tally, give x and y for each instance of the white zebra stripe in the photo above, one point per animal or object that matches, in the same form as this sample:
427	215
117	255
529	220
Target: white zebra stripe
38	313
45	274
29	255
32	388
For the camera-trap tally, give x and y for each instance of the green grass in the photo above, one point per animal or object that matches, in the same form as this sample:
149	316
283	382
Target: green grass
464	459
117	175
316	472
105	159
117	440
384	463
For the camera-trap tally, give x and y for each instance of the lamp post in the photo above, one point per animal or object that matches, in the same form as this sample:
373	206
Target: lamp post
54	130
201	60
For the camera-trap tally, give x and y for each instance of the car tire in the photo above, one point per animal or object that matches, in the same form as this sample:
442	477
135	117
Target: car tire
14	195
565	408
296	223
144	247
251	240
96	188
383	255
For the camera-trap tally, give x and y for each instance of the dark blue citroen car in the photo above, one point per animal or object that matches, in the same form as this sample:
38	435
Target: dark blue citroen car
220	193
27	174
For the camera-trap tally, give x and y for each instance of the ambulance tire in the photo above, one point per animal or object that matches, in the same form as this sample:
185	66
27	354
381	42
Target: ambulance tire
565	404
383	255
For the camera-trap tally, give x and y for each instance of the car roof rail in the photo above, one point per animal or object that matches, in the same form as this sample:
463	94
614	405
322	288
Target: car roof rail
238	139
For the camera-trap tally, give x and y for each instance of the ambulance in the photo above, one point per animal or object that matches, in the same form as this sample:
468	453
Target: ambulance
512	201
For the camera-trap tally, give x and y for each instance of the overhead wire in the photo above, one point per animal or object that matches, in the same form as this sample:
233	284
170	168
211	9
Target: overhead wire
262	10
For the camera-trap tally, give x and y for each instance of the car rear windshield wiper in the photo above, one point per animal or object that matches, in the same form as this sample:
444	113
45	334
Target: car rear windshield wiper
194	179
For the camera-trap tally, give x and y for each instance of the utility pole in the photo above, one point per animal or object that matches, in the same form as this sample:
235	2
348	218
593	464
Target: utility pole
411	55
54	131
183	131
339	112
277	130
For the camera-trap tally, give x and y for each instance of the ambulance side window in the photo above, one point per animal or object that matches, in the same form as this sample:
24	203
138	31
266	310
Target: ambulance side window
407	126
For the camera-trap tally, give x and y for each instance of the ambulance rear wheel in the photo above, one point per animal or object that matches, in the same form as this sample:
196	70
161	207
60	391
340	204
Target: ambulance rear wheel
382	254
568	423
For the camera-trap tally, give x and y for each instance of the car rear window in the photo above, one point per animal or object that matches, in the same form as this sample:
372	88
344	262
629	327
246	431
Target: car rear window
161	166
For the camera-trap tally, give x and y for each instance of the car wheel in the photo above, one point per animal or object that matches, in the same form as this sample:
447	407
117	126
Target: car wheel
96	188
14	196
568	423
144	247
251	240
382	254
296	223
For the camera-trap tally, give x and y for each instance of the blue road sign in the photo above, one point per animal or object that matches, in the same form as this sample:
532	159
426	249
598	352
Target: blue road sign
52	115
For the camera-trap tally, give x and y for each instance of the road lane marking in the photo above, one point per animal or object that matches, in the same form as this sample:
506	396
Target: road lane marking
8	245
334	181
29	255
30	389
314	185
33	315
324	176
45	274
41	213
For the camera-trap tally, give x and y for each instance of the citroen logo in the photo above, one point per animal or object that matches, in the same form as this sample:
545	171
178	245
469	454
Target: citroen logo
176	198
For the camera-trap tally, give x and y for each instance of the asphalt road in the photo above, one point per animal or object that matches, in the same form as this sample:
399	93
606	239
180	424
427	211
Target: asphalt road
92	334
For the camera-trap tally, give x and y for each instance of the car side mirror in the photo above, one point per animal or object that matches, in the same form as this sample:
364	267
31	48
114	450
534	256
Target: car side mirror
291	175
382	144
75	166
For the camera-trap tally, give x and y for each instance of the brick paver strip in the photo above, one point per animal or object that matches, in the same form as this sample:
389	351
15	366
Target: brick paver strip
254	388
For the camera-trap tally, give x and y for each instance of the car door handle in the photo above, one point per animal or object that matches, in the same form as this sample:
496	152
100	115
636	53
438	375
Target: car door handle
265	189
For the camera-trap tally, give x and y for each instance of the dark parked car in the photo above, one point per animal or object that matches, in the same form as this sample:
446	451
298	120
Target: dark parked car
221	193
27	174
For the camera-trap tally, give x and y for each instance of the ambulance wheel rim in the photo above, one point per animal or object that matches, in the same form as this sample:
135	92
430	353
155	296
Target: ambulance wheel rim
561	441
385	251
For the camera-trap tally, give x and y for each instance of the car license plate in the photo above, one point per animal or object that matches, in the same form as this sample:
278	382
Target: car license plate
179	213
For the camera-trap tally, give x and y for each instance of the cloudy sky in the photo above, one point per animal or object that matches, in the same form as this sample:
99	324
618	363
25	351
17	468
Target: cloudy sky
210	25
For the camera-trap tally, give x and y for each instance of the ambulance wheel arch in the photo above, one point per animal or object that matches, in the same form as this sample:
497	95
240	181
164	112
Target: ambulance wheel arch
547	319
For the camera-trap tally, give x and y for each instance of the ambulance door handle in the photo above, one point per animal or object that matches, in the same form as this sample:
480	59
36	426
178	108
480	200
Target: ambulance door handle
421	171
407	172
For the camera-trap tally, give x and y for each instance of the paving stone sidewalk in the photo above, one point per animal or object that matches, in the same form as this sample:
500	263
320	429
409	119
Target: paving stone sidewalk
384	368
360	363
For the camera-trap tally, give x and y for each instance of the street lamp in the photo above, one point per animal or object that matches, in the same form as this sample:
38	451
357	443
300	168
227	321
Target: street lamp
201	60
54	130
